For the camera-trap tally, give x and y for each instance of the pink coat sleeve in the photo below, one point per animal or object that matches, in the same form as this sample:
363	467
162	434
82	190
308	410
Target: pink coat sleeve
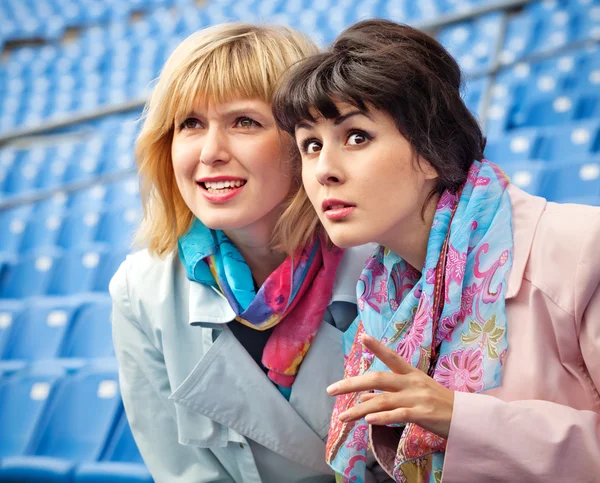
532	440
526	441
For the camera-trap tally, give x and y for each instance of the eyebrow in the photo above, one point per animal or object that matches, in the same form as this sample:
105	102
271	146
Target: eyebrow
336	121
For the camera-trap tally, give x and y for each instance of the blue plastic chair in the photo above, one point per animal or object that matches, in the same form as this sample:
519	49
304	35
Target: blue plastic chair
530	176
23	398
79	229
90	335
121	463
573	180
576	142
118	226
521	145
41	232
10	312
38	332
12	228
30	274
76	271
74	429
109	265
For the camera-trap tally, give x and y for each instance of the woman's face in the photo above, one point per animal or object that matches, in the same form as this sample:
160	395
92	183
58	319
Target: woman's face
231	166
362	177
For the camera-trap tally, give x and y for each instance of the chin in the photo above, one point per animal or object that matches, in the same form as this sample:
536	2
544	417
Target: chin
346	238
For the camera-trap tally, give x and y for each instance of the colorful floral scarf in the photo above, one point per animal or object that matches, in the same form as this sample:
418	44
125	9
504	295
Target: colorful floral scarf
293	298
449	320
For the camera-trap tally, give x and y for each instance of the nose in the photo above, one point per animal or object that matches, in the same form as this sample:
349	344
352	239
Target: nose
214	147
329	168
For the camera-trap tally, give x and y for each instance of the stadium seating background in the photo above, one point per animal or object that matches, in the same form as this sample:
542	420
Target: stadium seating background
73	78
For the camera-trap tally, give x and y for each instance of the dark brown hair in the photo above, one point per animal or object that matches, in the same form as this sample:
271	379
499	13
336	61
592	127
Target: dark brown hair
396	69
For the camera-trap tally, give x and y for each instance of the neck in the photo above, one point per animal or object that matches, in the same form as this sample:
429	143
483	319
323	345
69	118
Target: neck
255	246
410	240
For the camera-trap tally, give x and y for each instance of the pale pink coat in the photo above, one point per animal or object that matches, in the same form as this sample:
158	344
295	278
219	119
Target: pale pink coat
542	424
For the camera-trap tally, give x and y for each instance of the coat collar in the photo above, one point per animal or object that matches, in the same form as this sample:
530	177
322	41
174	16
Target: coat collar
527	211
242	398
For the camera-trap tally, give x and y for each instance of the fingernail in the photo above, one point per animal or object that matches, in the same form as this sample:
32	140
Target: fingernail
342	417
333	389
371	418
366	337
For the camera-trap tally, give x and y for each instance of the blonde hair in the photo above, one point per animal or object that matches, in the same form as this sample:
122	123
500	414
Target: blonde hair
217	64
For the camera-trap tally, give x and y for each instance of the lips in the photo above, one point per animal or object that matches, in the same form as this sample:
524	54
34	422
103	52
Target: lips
337	210
335	204
220	189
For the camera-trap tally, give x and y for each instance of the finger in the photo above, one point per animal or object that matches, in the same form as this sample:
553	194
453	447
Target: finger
381	381
393	416
386	355
367	396
380	403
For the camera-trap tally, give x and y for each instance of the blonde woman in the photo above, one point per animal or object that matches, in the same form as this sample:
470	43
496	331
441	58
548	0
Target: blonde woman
225	343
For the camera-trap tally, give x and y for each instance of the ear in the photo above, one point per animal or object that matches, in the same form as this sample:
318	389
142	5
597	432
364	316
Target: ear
427	169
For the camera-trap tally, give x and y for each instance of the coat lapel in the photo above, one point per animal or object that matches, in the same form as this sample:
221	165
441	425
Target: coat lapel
526	213
228	387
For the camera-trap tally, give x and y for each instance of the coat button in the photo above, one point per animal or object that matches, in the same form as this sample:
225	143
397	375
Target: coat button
242	445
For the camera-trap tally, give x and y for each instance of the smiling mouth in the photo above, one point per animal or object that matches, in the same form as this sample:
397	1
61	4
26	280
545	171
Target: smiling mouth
221	187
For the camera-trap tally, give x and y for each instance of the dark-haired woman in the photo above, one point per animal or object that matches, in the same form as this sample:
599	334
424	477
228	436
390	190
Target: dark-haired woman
475	356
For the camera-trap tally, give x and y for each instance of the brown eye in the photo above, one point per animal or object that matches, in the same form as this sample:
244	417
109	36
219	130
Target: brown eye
311	147
357	138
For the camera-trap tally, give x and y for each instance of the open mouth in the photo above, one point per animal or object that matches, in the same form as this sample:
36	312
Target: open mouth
221	187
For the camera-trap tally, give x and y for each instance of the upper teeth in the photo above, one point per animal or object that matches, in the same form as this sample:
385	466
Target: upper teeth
336	207
217	185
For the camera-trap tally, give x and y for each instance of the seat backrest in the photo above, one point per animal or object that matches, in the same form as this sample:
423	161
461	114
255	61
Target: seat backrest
10	311
91	332
39	331
30	274
76	271
81	416
23	399
122	446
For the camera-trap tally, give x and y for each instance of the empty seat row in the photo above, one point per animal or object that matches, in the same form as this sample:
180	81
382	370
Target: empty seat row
52	271
70	330
66	427
24	234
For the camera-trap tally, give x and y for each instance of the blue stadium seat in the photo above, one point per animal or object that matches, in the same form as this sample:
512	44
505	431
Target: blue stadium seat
118	226
121	463
573	180
90	335
76	271
109	265
550	111
576	142
79	229
519	145
10	311
30	274
12	226
124	193
39	331
74	429
530	176
41	232
88	200
23	398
